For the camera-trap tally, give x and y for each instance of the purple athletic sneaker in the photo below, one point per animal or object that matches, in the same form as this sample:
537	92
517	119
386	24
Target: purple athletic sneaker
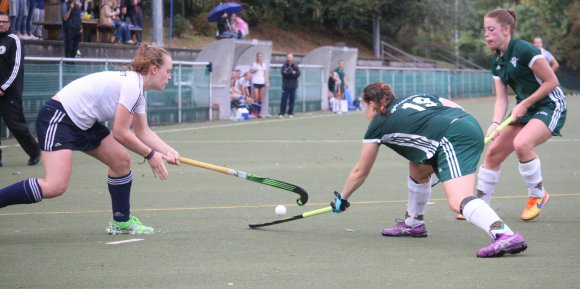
402	230
502	244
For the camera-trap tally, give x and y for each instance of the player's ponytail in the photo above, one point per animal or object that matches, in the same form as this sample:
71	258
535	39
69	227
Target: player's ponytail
379	93
147	55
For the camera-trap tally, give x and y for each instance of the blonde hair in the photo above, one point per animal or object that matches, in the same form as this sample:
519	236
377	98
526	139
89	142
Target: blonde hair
380	93
147	55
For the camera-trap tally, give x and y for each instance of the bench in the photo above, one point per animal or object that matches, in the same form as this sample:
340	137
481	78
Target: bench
107	33
134	30
54	29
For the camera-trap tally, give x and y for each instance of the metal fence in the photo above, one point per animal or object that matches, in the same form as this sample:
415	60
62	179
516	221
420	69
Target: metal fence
308	94
187	98
447	83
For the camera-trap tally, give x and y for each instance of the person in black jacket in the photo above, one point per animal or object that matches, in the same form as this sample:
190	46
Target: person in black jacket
290	74
11	86
72	24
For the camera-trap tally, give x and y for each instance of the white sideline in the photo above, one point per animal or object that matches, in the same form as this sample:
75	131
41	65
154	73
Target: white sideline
124	241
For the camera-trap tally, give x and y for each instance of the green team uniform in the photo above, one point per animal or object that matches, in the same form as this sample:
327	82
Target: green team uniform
514	69
421	129
340	73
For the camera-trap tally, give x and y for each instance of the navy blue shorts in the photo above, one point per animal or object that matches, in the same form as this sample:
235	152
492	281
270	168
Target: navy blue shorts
56	131
258	86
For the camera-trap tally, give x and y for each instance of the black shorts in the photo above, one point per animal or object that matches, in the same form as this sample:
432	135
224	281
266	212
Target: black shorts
258	86
56	131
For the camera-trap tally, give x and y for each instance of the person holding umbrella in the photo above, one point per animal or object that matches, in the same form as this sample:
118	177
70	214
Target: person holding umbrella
220	14
223	27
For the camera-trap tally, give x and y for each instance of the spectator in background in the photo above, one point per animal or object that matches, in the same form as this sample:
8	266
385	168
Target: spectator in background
224	27
18	12
239	26
239	94
260	82
236	74
135	13
549	57
38	16
11	86
28	23
340	88
333	86
72	27
4	6
290	73
245	85
340	71
110	16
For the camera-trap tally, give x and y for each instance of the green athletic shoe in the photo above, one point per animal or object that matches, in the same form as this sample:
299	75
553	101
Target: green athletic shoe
132	226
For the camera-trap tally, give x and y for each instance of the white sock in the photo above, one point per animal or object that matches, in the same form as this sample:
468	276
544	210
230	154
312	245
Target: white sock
532	173
480	214
419	195
486	181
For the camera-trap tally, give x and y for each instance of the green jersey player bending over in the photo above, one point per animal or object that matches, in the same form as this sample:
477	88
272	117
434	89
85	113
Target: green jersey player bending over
435	135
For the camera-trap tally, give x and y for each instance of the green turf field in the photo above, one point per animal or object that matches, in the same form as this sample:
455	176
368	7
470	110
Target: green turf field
202	217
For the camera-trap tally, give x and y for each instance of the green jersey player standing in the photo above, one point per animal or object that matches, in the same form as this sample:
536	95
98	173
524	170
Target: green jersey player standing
431	133
539	113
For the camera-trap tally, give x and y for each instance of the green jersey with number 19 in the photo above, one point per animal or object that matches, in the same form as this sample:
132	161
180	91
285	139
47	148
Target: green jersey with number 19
414	126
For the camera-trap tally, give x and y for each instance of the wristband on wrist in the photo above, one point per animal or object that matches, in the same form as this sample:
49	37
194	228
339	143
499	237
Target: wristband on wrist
148	157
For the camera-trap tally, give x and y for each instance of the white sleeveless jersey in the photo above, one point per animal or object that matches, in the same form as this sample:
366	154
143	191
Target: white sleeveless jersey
258	76
95	97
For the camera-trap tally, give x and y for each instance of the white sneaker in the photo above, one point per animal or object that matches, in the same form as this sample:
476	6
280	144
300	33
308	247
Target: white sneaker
32	37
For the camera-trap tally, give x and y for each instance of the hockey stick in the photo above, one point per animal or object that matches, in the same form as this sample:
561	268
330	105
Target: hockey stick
251	177
499	128
301	216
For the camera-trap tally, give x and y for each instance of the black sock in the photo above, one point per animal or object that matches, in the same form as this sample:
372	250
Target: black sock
24	192
120	191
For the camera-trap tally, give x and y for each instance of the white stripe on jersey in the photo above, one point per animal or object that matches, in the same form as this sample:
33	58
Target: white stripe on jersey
451	157
558	97
51	131
412	140
17	63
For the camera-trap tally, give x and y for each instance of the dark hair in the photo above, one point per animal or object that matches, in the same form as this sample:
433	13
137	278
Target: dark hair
380	93
505	17
147	55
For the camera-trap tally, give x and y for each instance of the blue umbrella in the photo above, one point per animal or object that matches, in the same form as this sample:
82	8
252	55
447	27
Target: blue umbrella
228	7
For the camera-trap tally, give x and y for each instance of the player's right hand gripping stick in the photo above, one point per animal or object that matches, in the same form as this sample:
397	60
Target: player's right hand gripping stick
339	204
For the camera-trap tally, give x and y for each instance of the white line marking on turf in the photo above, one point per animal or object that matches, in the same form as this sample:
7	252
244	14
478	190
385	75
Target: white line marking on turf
255	206
242	123
124	241
267	141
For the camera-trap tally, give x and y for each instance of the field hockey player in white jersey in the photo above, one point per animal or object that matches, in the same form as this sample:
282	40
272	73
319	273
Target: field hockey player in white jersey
71	121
